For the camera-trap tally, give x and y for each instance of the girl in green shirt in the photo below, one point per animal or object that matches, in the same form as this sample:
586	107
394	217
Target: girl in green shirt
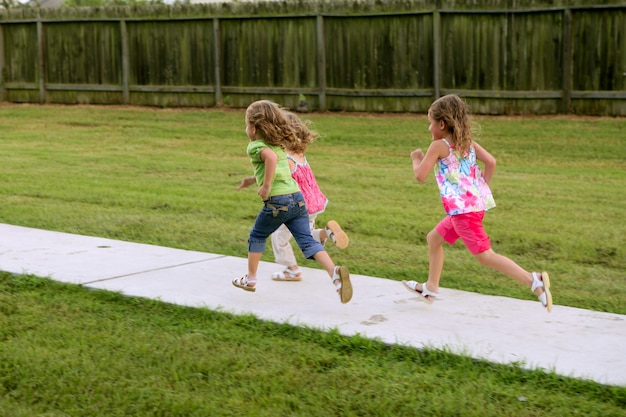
270	133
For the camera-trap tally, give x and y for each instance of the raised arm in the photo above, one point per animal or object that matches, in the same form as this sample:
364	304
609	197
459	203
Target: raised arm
423	164
486	158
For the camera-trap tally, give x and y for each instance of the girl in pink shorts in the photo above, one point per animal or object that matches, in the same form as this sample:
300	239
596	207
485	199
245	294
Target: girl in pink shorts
465	195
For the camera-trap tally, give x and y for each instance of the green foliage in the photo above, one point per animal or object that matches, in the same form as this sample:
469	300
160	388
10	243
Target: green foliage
13	4
102	3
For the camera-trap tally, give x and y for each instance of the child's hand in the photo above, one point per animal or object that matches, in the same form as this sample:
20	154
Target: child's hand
246	182
417	155
264	192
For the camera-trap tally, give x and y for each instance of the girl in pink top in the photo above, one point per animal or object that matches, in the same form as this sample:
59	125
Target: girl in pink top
316	203
465	195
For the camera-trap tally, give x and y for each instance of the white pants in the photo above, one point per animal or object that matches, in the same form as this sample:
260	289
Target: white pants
281	243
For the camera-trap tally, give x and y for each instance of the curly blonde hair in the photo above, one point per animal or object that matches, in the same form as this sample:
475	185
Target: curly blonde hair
305	135
270	120
453	111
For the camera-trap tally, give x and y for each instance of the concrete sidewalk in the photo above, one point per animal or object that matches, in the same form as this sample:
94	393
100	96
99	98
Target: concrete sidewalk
570	341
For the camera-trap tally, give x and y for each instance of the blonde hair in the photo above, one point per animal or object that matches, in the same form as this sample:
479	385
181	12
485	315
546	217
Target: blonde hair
270	120
453	111
305	135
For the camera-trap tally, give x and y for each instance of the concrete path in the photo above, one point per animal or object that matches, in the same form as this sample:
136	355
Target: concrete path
570	341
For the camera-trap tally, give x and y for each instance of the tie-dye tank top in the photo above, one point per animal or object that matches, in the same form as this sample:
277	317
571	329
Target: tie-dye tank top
461	183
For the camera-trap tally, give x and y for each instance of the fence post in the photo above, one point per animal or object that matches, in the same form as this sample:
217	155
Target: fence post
321	63
2	92
567	60
40	58
125	63
436	54
217	41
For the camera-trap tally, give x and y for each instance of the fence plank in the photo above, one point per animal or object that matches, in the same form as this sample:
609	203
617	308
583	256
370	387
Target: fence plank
436	55
125	62
41	62
567	61
321	62
2	88
219	99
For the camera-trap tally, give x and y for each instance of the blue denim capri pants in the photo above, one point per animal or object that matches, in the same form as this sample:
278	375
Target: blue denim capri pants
290	210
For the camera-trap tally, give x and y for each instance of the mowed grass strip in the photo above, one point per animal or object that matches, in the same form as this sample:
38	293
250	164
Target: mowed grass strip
69	351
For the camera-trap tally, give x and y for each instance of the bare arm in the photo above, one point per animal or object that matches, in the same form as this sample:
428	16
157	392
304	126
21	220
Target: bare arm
486	158
246	182
423	164
271	160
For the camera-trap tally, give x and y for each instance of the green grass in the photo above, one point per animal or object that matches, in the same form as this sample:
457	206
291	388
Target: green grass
70	351
168	177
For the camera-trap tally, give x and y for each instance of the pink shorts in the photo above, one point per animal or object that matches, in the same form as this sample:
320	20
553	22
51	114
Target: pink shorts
468	227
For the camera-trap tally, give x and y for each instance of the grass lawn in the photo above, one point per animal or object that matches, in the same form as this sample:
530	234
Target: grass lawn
168	177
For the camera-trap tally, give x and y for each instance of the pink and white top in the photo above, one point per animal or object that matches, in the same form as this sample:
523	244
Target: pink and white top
315	200
462	187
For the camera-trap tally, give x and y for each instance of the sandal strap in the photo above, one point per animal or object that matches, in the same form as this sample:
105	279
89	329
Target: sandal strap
336	277
426	292
543	298
244	280
537	281
292	273
245	283
330	235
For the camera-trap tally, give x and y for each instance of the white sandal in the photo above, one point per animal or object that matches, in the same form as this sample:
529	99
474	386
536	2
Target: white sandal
542	280
341	279
337	235
425	294
288	275
244	283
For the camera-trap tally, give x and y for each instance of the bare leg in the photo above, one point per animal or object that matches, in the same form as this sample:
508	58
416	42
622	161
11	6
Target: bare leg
253	264
248	281
435	259
508	267
323	259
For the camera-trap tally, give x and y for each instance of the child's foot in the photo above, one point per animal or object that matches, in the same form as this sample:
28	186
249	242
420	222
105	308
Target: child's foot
422	290
337	235
341	279
542	281
245	283
288	275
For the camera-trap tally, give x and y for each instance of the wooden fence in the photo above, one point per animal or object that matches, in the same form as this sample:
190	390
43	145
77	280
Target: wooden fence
543	60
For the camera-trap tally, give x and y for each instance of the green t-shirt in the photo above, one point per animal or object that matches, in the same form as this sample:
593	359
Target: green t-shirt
283	182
